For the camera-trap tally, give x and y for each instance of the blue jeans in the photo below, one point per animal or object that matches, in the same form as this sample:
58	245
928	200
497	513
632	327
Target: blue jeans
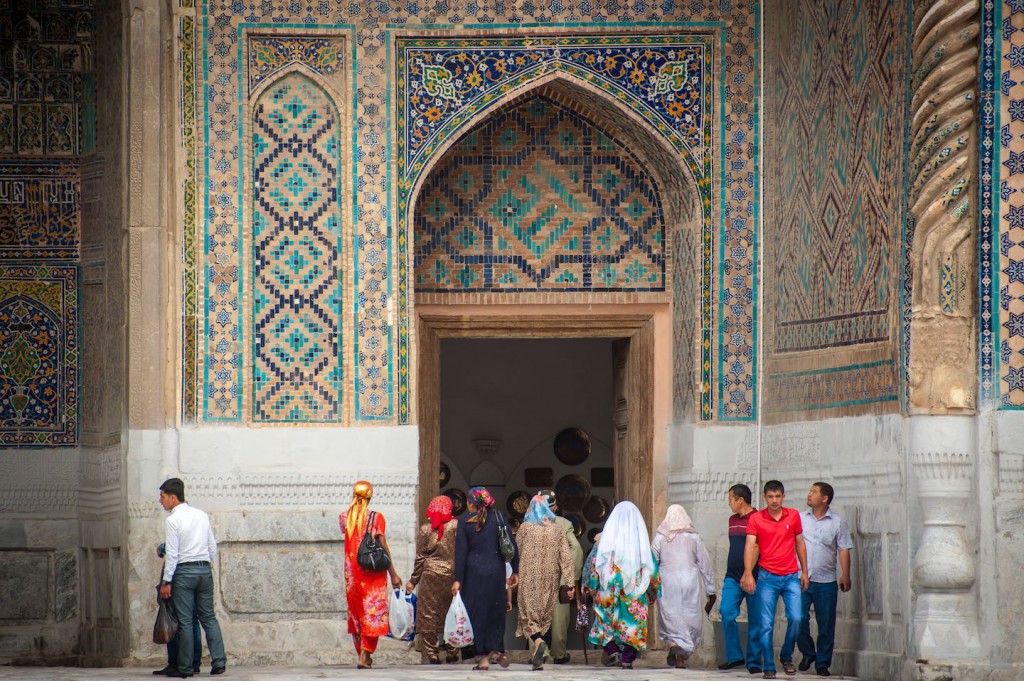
823	595
192	594
197	645
729	607
769	588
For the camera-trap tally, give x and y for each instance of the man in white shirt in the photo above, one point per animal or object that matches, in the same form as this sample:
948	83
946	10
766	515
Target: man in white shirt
828	542
188	578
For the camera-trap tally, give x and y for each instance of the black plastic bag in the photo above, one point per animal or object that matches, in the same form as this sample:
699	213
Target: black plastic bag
165	628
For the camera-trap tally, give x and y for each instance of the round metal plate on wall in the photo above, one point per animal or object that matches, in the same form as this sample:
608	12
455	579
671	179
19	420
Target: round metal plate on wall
579	526
458	498
517	503
596	509
592	534
572	492
572	446
444	474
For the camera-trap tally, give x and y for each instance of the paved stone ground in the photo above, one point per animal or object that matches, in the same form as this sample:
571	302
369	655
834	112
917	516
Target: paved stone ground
516	672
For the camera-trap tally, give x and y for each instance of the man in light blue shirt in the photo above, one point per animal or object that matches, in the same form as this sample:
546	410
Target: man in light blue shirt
828	541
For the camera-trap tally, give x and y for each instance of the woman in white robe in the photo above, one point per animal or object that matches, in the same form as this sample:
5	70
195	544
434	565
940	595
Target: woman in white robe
684	563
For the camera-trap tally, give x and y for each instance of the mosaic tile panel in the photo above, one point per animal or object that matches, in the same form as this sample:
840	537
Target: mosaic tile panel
622	65
539	198
46	105
39	210
1008	181
296	234
38	355
381	359
836	119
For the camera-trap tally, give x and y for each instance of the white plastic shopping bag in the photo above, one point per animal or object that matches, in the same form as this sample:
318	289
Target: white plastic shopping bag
458	632
402	615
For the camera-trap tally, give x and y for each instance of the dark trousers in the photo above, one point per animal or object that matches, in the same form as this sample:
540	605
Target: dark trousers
823	596
192	594
197	645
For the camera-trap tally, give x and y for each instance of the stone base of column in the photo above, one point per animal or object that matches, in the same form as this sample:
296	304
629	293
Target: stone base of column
964	672
946	625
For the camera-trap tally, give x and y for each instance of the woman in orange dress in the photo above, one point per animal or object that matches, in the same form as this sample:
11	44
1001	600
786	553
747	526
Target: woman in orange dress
366	591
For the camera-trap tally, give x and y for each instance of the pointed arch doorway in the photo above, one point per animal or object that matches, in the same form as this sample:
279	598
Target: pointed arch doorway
550	218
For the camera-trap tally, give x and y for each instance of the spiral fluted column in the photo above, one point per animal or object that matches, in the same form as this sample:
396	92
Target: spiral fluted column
942	187
942	363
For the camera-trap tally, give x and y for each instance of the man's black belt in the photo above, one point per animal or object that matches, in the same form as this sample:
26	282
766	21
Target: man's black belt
200	563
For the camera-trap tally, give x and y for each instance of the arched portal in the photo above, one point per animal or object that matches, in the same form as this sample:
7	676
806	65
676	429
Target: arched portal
561	214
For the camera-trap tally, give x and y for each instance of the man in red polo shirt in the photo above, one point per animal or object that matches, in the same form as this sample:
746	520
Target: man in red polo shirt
776	533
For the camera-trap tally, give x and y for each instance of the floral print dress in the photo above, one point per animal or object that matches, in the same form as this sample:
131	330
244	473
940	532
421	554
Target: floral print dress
366	592
617	616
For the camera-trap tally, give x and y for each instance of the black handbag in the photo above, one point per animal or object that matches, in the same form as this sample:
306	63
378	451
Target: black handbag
505	545
371	554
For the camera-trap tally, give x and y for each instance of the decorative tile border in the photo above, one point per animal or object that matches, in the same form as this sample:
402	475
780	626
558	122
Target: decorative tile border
39	210
190	294
990	42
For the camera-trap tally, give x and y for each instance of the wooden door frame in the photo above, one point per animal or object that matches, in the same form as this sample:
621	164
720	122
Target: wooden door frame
440	322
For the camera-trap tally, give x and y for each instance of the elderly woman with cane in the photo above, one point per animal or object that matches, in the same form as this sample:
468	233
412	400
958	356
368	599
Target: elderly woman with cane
546	563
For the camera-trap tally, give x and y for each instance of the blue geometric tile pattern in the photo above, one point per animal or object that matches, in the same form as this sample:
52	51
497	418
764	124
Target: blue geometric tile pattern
380	379
656	76
537	197
1002	187
296	224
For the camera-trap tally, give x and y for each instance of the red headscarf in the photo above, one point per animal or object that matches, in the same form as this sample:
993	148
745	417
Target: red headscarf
440	512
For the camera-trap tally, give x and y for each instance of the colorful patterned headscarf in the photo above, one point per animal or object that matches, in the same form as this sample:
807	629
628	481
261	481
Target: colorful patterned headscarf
439	512
539	512
481	500
362	492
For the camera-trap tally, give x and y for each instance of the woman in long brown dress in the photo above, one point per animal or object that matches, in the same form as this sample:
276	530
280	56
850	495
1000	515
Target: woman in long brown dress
545	563
433	572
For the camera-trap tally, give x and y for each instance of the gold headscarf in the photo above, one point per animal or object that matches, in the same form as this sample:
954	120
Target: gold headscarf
362	492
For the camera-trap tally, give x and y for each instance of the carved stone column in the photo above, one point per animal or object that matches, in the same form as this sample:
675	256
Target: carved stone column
942	374
942	181
945	611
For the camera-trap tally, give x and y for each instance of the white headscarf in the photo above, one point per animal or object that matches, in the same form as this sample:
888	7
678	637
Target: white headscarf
625	549
676	520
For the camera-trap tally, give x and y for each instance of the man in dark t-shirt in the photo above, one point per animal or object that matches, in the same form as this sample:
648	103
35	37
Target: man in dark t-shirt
733	595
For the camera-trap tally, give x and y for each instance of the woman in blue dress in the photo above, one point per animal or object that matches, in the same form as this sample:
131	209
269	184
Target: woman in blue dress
480	577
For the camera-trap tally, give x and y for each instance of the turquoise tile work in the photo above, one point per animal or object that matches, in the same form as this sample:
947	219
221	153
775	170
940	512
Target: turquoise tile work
243	47
296	248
